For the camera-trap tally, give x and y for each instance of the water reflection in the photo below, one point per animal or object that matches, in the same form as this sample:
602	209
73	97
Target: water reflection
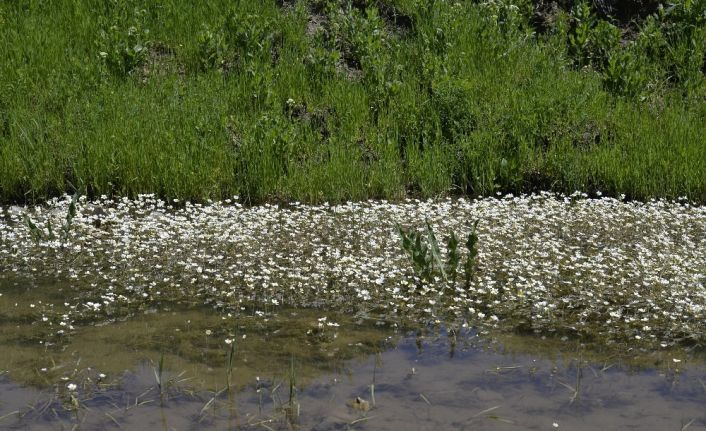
295	369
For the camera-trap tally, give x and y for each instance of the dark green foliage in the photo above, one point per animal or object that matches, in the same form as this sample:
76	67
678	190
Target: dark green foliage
34	230
418	252
453	256
212	48
666	48
435	253
625	74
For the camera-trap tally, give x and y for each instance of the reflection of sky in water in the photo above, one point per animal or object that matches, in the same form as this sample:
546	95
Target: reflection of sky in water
476	389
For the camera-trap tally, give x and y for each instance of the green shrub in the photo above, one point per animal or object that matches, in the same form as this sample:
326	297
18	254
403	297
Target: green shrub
591	39
624	74
251	35
124	40
212	48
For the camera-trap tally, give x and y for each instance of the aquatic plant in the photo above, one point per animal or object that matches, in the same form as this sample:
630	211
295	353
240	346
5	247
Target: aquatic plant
470	264
39	234
230	360
597	268
426	256
293	406
159	374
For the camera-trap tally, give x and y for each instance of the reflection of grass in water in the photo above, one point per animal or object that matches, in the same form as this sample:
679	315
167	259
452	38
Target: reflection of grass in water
284	408
192	341
292	405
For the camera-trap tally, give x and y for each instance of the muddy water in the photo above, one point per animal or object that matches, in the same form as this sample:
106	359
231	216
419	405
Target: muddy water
172	369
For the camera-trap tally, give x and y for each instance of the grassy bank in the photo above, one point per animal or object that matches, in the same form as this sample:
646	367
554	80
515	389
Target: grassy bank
324	100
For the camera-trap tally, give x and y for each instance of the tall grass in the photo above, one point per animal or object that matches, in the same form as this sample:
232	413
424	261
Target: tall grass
219	98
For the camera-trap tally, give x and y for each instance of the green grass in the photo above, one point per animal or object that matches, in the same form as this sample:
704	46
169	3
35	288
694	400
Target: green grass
218	98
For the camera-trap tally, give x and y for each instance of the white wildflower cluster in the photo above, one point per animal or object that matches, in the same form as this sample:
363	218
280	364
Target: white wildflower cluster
566	264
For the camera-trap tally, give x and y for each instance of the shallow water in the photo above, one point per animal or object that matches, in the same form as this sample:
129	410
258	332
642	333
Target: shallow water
581	314
422	379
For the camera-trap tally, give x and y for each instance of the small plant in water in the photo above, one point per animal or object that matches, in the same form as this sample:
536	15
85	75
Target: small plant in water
426	255
469	266
229	361
39	234
293	407
159	375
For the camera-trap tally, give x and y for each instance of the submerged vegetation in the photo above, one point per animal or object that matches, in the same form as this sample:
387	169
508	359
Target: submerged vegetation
336	100
595	270
233	311
237	300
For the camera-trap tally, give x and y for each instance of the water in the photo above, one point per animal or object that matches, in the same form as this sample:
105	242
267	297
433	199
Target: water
581	314
358	375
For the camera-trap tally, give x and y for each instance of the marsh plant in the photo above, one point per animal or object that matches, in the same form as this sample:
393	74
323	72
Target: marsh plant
159	375
600	268
48	234
423	249
293	407
230	359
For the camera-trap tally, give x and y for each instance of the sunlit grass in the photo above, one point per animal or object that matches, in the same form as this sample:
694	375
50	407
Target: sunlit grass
132	98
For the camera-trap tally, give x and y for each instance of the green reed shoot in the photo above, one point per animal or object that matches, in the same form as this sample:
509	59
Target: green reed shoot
230	358
470	264
159	374
435	253
418	252
293	408
38	234
453	257
426	255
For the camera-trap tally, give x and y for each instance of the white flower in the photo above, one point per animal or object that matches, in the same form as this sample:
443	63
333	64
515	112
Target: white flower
71	386
228	341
